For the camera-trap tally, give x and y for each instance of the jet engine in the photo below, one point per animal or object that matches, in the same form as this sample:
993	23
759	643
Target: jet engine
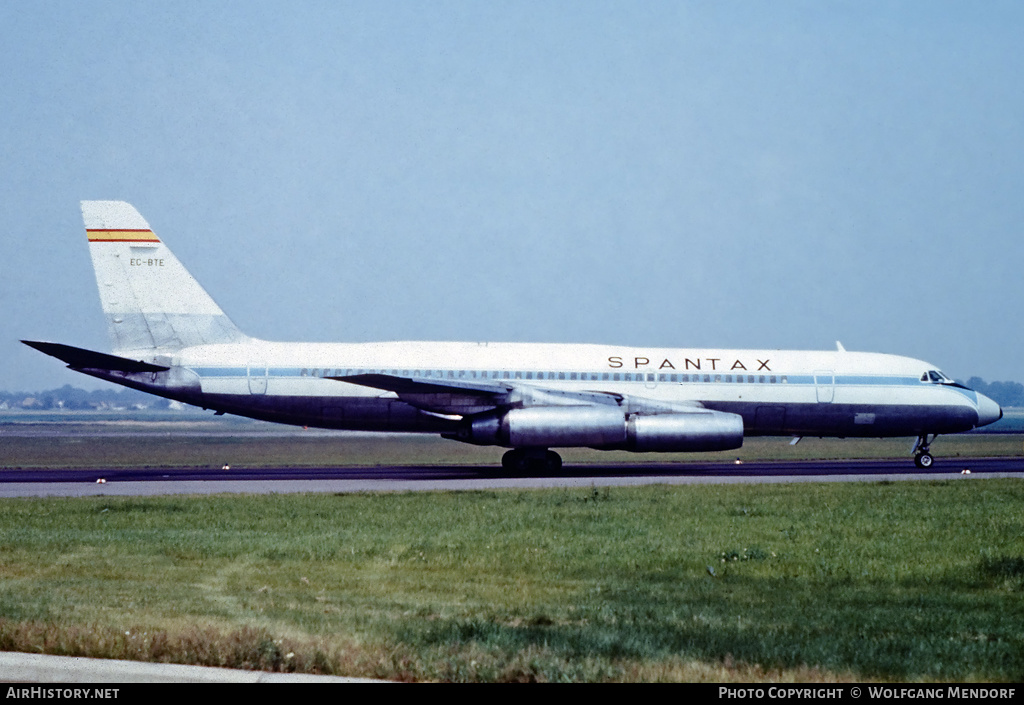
697	431
548	427
604	427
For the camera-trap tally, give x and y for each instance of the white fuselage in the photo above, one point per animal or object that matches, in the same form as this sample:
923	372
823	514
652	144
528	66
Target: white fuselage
775	391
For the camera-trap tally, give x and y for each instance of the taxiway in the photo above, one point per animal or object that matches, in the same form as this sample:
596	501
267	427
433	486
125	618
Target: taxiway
236	480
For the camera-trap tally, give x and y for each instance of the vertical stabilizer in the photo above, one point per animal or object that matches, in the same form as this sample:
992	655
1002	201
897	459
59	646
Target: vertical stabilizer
149	299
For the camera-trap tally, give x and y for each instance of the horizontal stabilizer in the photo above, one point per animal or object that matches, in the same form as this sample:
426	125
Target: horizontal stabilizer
80	358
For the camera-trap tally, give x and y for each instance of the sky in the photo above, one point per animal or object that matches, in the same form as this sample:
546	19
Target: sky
658	174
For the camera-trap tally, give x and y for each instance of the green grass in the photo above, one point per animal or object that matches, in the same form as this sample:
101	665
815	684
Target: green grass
899	581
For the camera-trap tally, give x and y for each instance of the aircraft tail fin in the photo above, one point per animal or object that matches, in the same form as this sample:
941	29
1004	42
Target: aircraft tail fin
150	300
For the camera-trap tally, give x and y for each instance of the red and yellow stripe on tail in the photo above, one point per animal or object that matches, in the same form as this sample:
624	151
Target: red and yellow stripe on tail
121	236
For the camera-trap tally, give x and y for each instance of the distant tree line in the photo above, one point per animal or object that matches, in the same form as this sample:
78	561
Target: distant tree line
73	398
1002	393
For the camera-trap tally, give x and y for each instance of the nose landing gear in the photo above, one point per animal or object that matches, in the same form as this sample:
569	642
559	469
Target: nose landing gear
922	454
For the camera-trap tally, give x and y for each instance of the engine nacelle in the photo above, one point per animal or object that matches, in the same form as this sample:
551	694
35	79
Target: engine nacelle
690	432
605	428
548	427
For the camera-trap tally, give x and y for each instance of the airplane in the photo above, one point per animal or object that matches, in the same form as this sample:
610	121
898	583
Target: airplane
170	339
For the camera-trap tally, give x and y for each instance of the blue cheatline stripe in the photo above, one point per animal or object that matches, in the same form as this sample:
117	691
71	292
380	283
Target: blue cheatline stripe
969	393
221	371
692	378
869	380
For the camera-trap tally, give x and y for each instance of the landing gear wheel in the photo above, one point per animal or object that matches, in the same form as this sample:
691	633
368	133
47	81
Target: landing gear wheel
922	451
524	460
552	461
514	461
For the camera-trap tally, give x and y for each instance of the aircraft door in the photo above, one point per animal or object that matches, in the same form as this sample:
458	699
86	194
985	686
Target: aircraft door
257	378
825	386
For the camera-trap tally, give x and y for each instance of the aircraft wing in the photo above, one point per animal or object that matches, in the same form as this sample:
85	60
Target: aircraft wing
459	397
467	397
82	359
408	385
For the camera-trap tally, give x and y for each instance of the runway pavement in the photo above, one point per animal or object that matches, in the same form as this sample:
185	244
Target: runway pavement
37	668
162	481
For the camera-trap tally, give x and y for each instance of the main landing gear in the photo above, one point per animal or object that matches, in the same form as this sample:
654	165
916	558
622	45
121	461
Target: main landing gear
521	460
922	454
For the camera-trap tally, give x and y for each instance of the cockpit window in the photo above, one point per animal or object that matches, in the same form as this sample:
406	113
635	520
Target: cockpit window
936	377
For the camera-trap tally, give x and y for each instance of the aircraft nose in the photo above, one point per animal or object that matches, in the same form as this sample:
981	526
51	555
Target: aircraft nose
988	411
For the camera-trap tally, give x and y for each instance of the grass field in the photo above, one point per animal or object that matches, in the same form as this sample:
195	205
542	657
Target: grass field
902	581
907	581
